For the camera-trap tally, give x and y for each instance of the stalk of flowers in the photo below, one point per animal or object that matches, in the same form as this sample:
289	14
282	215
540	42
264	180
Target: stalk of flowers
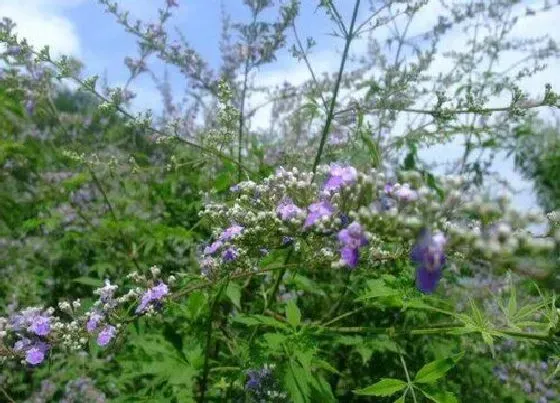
31	334
332	224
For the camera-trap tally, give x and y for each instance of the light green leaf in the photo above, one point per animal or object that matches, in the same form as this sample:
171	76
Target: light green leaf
378	289
274	340
92	282
439	396
233	292
293	314
385	387
436	369
400	399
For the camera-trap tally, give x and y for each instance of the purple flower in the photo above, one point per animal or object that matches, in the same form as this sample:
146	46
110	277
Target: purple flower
40	325
34	353
352	239
405	193
234	188
21	345
106	293
34	356
340	176
388	188
232	232
159	291
350	256
106	334
429	256
155	293
287	210
353	236
230	254
93	321
317	211
213	248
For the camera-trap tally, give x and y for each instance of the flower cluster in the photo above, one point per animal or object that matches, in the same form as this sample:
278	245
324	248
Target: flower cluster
32	327
262	384
32	333
356	217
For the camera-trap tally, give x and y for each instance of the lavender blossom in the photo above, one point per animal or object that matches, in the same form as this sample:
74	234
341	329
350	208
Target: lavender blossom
351	239
405	193
93	321
340	176
34	356
213	248
106	335
230	233
429	257
34	352
317	211
152	295
107	292
230	254
40	325
287	210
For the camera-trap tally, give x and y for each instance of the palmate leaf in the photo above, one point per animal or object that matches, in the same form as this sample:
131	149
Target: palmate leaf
385	387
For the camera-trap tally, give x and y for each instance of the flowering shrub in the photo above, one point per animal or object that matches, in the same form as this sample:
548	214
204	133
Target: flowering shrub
287	230
191	257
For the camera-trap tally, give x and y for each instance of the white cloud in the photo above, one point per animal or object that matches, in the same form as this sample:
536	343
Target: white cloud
42	23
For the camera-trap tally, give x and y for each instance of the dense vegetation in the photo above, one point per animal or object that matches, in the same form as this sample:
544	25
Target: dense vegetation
187	256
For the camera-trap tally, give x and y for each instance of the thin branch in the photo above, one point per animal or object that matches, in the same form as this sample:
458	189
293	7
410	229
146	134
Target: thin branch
330	115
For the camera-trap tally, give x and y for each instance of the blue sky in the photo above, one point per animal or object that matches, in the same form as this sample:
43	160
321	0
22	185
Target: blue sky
83	29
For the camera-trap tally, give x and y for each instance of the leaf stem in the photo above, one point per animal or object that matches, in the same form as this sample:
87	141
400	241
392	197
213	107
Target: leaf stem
410	386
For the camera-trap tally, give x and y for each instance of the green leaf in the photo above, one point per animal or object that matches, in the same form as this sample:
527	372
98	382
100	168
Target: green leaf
274	340
400	399
436	369
92	282
196	303
385	387
296	381
258	320
439	396
378	289
293	314
233	292
305	284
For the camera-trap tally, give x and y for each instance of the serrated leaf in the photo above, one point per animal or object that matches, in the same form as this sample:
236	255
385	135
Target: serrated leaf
274	340
378	289
293	314
436	369
385	387
439	396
